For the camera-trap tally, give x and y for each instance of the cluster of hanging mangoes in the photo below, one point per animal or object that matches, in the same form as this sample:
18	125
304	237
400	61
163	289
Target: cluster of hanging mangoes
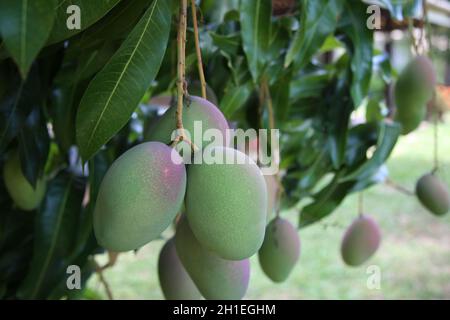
225	207
414	89
225	211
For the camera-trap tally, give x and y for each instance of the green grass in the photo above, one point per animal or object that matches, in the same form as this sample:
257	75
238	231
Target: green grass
414	257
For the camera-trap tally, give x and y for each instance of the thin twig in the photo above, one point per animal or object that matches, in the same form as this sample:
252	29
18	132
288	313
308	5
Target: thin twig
181	46
360	204
103	281
434	110
399	188
181	81
265	96
197	49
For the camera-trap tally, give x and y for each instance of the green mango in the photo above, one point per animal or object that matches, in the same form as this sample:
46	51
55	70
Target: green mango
413	90
226	204
196	109
215	278
361	241
433	194
280	250
139	196
175	282
21	191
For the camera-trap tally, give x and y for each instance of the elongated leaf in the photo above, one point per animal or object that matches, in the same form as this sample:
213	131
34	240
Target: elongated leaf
308	85
387	138
354	25
318	20
228	43
234	99
280	97
326	201
116	90
255	17
20	98
34	145
53	237
90	12
25	26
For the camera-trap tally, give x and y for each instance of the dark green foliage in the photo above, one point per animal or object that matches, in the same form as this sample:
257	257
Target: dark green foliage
68	96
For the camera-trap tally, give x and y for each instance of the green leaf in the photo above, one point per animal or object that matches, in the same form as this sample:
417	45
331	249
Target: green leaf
25	26
354	25
331	43
387	138
308	85
280	97
255	17
373	111
20	98
116	90
318	20
337	110
235	98
228	43
34	144
54	236
325	201
90	12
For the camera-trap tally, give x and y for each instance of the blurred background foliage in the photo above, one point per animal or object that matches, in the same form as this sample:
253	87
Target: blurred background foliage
328	76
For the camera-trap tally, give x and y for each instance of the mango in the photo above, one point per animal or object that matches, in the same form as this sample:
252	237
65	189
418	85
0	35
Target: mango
280	250
139	196
251	150
361	241
413	90
226	204
21	191
433	194
215	278
196	109
175	282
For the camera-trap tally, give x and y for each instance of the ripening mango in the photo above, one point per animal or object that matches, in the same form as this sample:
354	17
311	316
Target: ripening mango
361	241
433	194
215	278
226	204
139	196
280	250
21	191
196	109
175	282
413	90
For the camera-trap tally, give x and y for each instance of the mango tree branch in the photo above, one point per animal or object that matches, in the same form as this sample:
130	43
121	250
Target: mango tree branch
181	46
103	281
181	74
267	97
197	49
